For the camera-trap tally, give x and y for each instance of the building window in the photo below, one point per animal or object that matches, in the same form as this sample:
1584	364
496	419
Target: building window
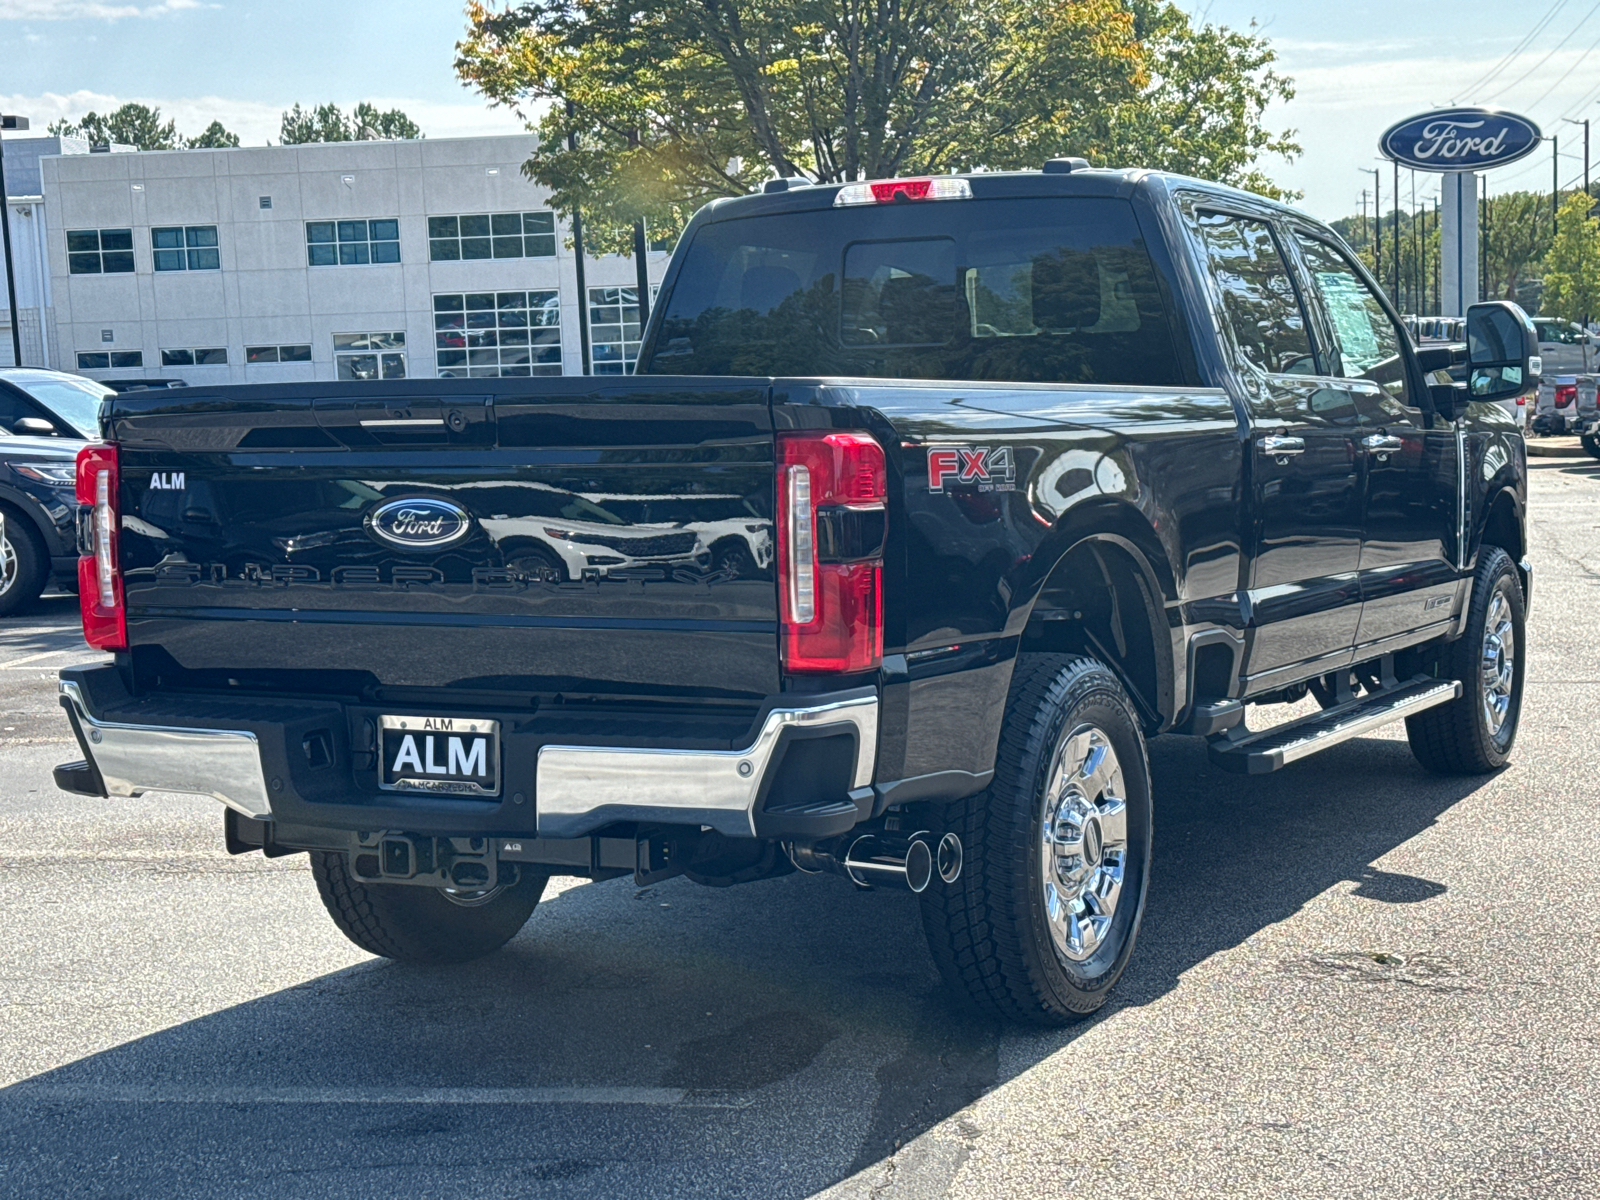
369	355
351	243
100	360
100	251
613	329
272	354
484	334
214	357
495	235
185	248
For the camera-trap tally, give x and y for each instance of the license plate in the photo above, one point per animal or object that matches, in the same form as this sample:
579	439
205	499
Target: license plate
454	755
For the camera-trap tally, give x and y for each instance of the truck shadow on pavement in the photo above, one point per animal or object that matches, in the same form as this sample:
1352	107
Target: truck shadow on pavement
768	1041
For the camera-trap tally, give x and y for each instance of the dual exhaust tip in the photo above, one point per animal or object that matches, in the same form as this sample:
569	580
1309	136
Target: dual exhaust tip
884	859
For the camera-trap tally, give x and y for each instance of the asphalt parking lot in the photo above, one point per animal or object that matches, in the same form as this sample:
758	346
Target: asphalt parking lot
1354	979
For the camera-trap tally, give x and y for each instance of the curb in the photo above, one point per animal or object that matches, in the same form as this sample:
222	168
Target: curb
1558	447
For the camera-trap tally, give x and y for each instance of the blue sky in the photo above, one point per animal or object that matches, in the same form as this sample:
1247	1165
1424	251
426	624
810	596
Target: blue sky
1358	67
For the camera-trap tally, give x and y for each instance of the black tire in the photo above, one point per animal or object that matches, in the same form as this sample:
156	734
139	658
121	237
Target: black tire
990	932
24	563
418	924
1457	738
1591	443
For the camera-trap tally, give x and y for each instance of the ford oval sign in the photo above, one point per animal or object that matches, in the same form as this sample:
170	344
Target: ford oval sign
420	523
1460	139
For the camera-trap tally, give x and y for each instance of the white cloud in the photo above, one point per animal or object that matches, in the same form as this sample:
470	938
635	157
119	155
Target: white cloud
76	10
256	122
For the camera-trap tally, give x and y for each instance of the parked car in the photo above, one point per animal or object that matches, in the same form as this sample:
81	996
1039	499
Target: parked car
1564	347
1052	462
142	385
45	419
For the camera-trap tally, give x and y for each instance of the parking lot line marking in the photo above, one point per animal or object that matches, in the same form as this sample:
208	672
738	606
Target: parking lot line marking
12	664
657	1097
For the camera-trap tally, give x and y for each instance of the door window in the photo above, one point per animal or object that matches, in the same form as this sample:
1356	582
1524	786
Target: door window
1258	295
1366	342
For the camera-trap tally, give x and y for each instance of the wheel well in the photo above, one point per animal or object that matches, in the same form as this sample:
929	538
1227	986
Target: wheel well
1502	528
1099	601
25	520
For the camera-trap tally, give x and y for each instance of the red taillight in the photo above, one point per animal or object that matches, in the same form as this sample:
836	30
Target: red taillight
832	497
105	625
1566	393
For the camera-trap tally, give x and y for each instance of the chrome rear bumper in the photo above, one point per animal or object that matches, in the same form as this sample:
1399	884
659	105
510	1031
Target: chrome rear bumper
222	764
577	789
581	788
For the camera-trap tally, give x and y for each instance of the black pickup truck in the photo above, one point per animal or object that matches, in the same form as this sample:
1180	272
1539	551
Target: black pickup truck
930	502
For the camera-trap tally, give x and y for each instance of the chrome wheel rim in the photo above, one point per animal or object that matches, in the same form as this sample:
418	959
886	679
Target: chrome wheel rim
1499	662
1083	842
8	562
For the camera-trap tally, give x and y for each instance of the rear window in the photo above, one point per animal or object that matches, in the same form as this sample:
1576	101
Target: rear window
1028	291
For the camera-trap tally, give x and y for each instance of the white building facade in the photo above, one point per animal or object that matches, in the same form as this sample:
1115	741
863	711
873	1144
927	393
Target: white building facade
346	260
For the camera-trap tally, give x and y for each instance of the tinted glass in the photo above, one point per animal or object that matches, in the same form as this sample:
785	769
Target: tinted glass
1367	343
201	235
295	353
75	401
83	239
384	231
1058	290
260	354
166	239
116	239
1257	294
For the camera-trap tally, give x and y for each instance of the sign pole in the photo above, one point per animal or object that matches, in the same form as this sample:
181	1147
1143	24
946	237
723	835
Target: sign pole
1458	243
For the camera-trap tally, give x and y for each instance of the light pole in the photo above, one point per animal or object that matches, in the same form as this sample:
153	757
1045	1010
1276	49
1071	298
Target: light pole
14	124
1377	221
1585	124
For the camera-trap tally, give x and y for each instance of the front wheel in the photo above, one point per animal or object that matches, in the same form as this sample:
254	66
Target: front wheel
1591	443
1043	919
24	563
423	925
1473	734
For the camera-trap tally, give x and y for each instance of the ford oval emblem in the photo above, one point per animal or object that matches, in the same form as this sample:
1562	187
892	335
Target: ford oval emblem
420	523
1460	139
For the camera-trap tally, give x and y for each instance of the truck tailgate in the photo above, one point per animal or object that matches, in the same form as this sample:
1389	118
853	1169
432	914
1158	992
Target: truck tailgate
544	536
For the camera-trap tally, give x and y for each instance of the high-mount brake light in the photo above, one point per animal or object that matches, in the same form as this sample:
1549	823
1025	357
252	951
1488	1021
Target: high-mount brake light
886	191
105	625
832	521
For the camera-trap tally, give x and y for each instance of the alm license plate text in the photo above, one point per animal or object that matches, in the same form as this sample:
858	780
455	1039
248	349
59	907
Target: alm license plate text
456	756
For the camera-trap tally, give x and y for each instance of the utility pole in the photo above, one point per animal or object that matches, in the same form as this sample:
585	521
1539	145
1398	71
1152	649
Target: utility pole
1397	231
641	265
1416	250
577	245
1377	221
1585	124
1555	174
14	124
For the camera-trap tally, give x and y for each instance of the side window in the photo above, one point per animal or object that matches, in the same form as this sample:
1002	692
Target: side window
1257	294
1366	341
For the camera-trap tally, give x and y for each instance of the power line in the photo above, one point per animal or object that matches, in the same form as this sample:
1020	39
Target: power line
1548	56
1593	46
1518	48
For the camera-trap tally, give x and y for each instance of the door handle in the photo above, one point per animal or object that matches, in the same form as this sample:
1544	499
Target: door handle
1382	444
1277	446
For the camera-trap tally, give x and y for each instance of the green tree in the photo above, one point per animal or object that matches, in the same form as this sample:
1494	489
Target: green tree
328	123
673	103
1572	266
130	125
214	137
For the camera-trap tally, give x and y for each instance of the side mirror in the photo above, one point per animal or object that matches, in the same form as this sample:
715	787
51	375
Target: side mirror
32	427
1502	351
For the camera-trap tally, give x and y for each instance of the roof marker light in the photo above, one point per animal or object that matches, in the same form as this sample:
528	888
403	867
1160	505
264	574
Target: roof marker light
885	191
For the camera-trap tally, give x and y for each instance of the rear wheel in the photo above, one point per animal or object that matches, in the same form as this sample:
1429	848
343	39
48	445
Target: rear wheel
1591	443
1474	733
1043	919
423	925
24	564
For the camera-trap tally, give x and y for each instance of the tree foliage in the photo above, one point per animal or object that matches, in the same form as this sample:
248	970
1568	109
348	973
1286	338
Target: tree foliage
1572	266
328	123
141	126
673	103
214	137
130	125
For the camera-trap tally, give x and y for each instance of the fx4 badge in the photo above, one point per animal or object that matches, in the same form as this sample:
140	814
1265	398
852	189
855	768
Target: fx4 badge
988	469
